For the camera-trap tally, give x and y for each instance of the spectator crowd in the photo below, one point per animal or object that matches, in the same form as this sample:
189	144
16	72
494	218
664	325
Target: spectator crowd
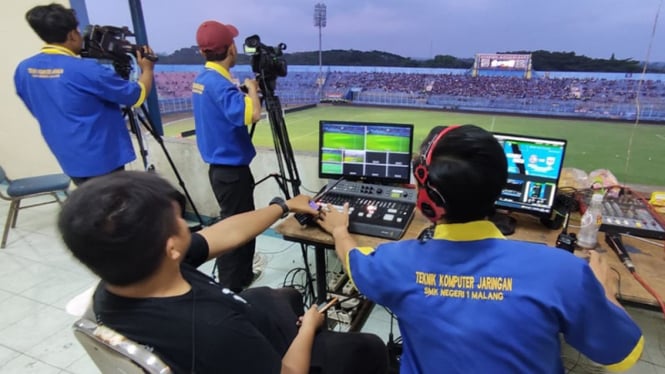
576	95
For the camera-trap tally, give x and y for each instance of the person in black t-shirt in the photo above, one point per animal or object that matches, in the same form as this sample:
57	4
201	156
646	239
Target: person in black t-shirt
127	228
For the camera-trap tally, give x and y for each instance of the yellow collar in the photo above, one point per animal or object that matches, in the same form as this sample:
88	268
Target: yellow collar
462	232
51	49
218	68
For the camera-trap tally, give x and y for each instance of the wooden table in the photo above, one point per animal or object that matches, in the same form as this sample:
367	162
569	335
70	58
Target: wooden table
649	259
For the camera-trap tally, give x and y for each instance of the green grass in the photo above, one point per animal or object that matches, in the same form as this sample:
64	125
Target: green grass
342	140
591	144
387	143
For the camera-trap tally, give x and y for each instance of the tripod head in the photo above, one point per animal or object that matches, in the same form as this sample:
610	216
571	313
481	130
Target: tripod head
268	64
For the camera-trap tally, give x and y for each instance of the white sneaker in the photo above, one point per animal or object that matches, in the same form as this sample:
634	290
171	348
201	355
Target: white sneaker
258	264
259	261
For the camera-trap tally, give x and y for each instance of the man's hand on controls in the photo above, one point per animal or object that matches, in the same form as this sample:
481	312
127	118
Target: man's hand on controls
334	221
300	204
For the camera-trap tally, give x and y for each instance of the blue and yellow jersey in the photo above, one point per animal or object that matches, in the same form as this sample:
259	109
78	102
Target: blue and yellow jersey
221	115
470	301
77	104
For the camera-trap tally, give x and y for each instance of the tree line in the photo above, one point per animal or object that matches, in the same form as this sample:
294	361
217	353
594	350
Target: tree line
541	60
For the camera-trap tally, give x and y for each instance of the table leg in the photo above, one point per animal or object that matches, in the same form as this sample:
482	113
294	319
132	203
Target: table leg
321	284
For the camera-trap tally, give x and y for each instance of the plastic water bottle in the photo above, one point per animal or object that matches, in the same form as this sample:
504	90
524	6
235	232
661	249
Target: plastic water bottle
591	221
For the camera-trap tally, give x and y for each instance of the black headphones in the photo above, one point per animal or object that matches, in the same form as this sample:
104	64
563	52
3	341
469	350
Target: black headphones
430	201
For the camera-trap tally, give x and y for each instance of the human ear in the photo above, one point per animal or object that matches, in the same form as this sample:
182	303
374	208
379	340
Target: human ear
172	250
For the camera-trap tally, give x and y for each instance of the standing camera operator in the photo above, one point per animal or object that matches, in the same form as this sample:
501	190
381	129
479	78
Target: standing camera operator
222	113
77	101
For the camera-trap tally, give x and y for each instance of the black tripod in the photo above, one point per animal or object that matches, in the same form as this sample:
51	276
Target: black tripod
288	171
143	117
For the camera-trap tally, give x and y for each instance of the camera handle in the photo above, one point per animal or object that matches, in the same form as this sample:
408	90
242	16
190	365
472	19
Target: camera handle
134	118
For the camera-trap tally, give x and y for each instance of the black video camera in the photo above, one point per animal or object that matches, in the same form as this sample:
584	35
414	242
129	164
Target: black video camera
267	62
110	43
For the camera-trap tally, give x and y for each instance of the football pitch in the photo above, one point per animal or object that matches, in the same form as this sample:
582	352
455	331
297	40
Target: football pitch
634	153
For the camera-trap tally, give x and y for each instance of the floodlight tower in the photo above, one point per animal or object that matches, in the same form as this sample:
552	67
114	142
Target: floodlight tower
320	22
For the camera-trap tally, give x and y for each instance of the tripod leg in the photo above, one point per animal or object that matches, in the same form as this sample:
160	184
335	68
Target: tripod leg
283	149
147	123
134	126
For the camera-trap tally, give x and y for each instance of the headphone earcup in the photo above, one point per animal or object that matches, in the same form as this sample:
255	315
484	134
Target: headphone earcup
428	206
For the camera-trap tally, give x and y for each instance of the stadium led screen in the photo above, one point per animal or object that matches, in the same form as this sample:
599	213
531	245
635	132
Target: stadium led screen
367	151
534	168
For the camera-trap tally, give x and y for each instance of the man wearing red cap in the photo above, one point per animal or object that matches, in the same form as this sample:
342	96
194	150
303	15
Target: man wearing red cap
222	113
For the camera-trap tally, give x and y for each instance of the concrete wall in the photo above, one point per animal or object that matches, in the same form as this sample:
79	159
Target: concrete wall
23	152
194	172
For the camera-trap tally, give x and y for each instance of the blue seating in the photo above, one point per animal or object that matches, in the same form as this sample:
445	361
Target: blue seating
19	189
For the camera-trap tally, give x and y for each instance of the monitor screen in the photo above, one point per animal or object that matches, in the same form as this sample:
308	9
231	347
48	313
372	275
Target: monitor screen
372	152
534	167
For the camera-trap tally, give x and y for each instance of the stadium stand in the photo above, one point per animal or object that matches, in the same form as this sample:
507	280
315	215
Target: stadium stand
599	95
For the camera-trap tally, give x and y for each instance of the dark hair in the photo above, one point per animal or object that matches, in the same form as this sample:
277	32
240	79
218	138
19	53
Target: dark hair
469	169
215	56
52	22
117	225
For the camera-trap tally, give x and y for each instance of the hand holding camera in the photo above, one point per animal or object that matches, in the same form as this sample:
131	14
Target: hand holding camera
145	57
251	85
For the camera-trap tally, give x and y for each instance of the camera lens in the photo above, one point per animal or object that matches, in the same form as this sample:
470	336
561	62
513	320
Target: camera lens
252	41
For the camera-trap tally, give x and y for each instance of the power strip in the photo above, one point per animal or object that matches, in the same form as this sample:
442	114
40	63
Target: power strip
349	288
341	315
336	281
346	303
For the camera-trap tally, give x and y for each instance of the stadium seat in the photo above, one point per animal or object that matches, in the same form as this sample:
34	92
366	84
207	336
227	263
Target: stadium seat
23	188
114	353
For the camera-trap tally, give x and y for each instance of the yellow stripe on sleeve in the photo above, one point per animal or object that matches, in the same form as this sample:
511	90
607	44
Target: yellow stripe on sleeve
630	360
141	97
347	263
249	110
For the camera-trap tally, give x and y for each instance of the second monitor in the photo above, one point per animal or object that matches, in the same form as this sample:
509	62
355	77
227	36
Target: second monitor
534	168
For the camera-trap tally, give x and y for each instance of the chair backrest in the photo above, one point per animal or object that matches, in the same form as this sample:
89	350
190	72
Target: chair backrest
3	175
114	353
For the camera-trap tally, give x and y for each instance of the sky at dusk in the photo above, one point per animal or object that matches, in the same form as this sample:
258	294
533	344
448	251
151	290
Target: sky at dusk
411	28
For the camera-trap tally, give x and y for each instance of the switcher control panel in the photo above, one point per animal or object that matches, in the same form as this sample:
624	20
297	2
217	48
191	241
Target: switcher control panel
375	210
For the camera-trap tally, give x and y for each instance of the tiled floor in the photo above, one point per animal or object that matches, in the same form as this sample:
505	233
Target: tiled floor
38	277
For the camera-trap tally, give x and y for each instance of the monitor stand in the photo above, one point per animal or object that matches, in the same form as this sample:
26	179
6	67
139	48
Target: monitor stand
505	223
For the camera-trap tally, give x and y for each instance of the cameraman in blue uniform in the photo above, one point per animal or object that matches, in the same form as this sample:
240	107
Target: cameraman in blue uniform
222	114
77	101
470	301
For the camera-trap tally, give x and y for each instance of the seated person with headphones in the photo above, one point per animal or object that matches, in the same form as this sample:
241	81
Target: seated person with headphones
127	227
470	301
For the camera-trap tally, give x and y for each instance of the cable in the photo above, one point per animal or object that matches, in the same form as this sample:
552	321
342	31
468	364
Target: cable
616	244
300	287
650	290
638	104
313	192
